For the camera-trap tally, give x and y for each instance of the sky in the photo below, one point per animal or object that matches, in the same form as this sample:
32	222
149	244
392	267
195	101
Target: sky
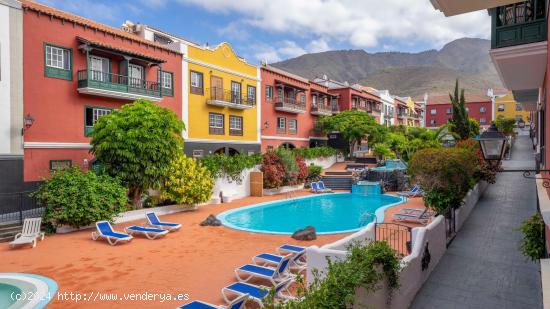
276	30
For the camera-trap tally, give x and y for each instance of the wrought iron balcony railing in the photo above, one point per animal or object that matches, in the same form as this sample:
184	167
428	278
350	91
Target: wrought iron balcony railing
519	23
115	85
232	99
290	105
321	110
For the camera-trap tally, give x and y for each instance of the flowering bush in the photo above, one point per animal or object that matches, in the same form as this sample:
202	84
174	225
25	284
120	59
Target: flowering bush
273	169
187	182
302	169
485	171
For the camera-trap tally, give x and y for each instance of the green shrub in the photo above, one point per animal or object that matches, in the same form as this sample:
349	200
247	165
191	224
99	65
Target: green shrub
315	152
314	171
485	170
532	245
383	151
230	167
290	166
187	182
505	125
445	174
337	289
76	198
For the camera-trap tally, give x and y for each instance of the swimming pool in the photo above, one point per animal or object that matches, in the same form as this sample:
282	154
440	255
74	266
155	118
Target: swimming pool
22	291
327	213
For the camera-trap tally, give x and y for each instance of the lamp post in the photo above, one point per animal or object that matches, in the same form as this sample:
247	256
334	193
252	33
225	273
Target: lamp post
493	146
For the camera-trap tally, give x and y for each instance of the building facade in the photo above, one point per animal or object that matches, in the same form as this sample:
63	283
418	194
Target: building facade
77	70
220	101
439	110
506	106
11	96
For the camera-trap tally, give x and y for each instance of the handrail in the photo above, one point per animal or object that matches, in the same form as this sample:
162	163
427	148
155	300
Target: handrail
290	102
113	78
235	97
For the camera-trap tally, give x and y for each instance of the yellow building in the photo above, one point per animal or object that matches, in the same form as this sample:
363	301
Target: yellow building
507	107
411	112
222	108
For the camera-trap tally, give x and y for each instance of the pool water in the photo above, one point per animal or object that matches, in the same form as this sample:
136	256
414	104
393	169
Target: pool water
7	294
327	213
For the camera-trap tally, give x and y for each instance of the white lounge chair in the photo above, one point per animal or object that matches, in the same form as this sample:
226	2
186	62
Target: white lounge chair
149	232
154	221
29	234
105	230
421	217
257	292
237	303
274	274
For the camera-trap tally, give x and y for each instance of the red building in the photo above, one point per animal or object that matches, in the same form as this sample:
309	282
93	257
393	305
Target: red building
290	107
75	71
439	110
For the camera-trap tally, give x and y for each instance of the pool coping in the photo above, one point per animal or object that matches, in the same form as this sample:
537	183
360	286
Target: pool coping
378	214
44	299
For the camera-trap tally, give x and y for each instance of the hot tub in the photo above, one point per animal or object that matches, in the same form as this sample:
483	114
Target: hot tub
366	188
22	291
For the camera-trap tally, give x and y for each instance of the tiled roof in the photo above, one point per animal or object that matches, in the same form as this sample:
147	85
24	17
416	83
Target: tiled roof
115	48
444	99
285	73
44	9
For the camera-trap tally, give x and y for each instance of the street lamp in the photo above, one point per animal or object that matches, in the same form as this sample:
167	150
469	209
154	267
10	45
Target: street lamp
493	146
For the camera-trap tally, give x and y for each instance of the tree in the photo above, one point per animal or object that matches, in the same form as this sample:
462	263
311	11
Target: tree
354	126
187	182
137	144
460	124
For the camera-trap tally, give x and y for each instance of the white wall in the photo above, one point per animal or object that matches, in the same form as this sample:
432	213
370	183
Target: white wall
232	188
322	162
5	89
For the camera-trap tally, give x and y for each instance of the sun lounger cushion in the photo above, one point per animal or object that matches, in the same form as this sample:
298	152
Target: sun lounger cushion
292	248
198	305
145	229
258	270
249	289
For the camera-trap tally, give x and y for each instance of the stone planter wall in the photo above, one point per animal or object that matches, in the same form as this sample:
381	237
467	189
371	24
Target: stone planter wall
284	189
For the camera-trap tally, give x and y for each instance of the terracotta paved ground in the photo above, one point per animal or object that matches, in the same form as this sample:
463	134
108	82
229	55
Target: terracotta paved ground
196	260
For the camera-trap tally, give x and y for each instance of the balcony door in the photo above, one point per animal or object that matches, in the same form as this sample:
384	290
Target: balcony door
99	68
136	73
216	88
236	92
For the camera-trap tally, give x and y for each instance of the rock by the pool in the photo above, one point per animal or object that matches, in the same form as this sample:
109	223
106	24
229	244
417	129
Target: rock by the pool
211	221
306	234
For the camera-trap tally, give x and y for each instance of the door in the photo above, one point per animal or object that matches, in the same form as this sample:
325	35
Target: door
99	68
216	88
136	74
236	92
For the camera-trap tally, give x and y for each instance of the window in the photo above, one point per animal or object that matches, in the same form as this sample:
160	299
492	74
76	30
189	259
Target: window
136	76
303	100
281	125
269	93
280	95
501	107
482	120
236	125
167	82
236	92
92	115
483	109
292	126
314	100
251	94
433	111
433	122
99	68
198	153
60	164
215	124
449	110
197	85
519	107
58	62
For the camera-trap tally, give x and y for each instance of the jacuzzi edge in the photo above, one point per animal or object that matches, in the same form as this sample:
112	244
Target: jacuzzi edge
379	214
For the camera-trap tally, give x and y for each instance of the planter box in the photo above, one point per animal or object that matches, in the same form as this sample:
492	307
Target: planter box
283	189
133	215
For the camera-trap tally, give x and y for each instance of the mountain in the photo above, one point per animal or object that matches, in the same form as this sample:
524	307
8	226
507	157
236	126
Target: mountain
405	74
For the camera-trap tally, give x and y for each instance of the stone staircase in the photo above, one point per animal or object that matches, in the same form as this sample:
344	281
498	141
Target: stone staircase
7	232
338	182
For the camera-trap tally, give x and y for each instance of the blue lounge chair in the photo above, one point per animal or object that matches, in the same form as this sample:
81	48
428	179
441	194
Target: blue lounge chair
314	187
149	232
290	248
257	292
414	192
105	230
273	274
421	218
237	303
296	261
413	211
322	187
155	222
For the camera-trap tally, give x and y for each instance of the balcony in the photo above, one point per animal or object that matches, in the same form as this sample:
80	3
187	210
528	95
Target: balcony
227	98
321	110
289	105
518	24
519	45
117	86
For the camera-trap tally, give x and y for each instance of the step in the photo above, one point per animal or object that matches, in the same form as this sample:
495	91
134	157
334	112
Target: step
6	238
343	173
10	227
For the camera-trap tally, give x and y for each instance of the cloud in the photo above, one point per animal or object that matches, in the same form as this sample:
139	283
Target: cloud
361	24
